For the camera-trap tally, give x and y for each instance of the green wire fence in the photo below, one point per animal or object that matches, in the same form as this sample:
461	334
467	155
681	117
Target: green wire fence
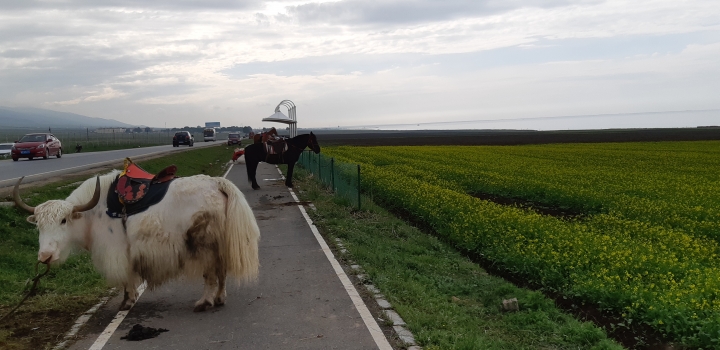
343	178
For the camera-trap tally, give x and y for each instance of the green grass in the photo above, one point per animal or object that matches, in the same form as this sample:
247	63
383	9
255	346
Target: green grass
71	288
448	301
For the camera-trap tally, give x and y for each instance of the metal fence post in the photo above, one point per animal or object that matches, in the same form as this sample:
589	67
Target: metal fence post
332	173
358	187
320	168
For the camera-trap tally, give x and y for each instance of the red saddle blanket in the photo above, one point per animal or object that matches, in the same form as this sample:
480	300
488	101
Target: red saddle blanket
134	182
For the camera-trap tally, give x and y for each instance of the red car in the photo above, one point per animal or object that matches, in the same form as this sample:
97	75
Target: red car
36	145
233	139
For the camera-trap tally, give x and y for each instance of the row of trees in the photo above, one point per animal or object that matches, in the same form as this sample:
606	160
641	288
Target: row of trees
192	129
137	130
244	129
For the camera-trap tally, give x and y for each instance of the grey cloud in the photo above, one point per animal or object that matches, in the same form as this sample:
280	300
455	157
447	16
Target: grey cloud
544	51
12	53
63	74
62	68
407	11
156	4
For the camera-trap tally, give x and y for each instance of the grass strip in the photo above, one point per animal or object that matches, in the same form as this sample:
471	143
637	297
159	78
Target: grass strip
448	301
70	289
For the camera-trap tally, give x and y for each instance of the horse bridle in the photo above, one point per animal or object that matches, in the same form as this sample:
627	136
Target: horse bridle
309	144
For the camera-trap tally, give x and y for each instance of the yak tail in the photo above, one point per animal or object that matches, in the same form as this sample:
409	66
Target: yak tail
240	248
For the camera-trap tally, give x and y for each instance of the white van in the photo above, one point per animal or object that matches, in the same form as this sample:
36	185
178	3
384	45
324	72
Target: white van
210	134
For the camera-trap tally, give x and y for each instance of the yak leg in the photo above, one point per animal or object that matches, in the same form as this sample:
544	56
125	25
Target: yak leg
131	296
221	292
211	286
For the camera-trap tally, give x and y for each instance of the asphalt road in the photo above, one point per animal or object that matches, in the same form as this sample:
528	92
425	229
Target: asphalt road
39	169
299	301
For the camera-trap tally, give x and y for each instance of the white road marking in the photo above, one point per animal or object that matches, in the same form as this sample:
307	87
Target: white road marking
228	171
110	329
367	317
79	323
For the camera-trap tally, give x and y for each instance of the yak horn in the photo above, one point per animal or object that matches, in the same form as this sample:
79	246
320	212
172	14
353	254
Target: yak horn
93	202
18	201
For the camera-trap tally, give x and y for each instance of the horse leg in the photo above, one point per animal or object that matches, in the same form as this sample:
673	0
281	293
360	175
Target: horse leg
251	166
288	179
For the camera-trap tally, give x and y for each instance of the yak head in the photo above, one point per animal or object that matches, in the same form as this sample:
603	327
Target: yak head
56	220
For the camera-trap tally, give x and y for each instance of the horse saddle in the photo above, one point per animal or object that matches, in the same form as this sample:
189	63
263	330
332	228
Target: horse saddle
276	146
135	190
274	151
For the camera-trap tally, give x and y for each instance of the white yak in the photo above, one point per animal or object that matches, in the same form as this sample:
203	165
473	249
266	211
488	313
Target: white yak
202	227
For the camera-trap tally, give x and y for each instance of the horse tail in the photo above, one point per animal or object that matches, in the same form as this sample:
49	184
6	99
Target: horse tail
240	241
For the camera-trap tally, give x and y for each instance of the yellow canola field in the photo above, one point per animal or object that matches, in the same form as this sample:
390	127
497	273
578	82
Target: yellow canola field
646	245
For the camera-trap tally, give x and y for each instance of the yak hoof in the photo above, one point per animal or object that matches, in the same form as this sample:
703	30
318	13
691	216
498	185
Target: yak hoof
203	306
290	185
126	306
256	187
219	301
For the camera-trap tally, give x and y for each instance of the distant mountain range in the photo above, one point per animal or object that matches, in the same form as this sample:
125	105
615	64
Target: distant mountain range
36	117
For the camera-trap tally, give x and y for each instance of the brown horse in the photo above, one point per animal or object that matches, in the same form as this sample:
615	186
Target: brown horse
264	136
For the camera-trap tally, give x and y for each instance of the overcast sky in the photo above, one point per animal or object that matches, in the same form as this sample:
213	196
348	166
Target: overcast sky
359	62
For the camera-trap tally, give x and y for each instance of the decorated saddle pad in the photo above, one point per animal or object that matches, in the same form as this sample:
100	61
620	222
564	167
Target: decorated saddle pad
135	190
152	195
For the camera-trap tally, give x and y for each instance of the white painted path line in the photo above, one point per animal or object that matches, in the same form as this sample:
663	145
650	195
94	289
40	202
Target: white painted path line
372	326
79	323
110	329
228	171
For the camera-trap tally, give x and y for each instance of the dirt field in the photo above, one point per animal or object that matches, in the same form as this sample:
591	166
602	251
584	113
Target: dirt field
509	137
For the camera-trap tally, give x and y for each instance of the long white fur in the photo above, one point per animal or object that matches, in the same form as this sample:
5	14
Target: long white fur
156	237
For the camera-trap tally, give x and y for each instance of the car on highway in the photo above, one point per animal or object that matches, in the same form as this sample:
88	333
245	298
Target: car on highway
233	139
35	146
5	149
183	138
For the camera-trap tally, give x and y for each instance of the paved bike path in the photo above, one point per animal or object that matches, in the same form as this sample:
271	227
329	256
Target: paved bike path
298	302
